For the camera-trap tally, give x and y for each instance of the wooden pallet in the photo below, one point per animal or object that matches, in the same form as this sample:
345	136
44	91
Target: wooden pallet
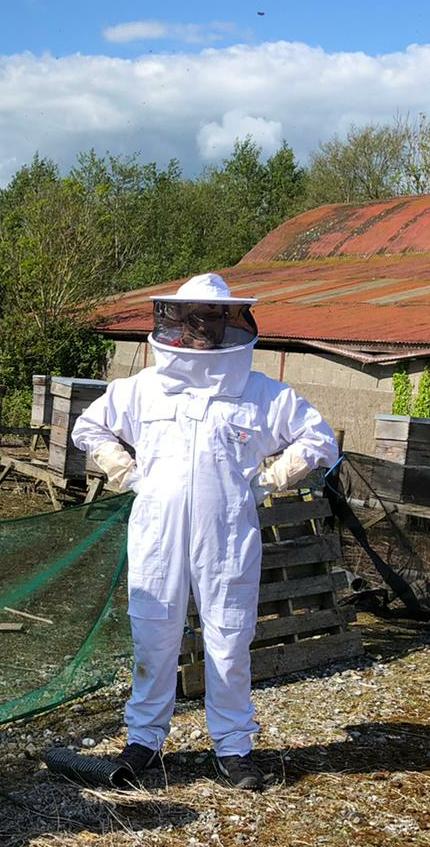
300	624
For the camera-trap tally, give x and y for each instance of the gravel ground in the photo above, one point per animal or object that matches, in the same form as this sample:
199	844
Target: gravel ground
349	746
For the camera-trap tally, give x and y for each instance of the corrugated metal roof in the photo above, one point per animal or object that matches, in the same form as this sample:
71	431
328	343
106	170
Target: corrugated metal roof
388	227
382	299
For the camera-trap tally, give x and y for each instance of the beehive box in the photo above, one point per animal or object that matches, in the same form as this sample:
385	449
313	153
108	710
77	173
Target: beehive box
70	397
41	409
300	624
402	446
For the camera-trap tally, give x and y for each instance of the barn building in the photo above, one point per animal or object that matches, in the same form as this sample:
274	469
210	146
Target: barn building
343	301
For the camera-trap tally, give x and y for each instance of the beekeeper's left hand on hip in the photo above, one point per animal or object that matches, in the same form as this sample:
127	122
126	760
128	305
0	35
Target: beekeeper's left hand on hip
286	471
118	466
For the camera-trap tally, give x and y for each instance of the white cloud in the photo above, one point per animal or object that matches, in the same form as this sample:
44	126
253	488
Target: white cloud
152	29
217	139
193	106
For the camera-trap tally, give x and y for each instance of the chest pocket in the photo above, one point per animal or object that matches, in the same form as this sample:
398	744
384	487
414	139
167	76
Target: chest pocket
238	438
158	433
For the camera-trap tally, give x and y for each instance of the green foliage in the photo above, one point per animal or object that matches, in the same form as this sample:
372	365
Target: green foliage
402	402
421	406
367	165
16	408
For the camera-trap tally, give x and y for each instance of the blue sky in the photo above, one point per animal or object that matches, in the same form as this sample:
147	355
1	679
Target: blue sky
187	80
67	27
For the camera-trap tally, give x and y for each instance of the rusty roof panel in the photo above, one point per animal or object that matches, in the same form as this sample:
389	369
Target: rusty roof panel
381	299
389	226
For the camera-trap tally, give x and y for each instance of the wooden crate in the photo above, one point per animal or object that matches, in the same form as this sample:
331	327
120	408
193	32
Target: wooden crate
70	398
41	409
402	446
300	624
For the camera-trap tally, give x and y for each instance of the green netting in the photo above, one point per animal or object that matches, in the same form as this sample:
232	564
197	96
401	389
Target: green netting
66	571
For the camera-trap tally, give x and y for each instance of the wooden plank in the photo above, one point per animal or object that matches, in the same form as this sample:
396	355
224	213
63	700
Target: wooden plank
67	460
267	630
394	427
307	549
84	389
61	389
60	436
94	489
284	513
27	615
278	660
387	479
419	431
72	406
391	451
54	500
35	471
418	454
8	465
271	591
60	419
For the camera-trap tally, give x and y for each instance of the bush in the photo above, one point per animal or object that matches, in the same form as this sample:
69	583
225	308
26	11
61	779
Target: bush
16	409
402	403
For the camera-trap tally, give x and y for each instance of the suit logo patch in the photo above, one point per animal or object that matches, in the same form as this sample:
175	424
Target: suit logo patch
238	436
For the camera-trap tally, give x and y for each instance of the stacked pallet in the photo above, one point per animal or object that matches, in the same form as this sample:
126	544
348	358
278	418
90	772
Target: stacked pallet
300	624
70	397
402	450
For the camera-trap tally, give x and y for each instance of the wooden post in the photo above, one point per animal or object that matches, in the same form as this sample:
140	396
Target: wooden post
340	437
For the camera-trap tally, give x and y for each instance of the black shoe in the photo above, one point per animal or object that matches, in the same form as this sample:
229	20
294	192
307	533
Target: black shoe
241	771
137	757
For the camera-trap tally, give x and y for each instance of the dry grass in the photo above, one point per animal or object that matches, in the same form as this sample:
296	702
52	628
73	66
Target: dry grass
349	746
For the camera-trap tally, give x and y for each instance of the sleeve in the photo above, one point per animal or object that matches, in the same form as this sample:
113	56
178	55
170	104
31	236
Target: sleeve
106	419
99	431
306	439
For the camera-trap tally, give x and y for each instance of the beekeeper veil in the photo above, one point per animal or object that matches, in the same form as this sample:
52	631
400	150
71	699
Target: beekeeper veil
203	315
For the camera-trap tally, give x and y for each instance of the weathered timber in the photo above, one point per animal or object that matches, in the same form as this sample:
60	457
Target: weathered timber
294	588
35	470
284	626
289	514
11	627
307	549
402	444
41	409
282	659
70	398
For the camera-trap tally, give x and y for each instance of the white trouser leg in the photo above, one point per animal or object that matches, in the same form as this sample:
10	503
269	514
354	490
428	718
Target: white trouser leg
229	711
228	633
150	707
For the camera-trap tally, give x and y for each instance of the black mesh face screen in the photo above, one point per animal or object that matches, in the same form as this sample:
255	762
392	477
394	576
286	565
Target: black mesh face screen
203	326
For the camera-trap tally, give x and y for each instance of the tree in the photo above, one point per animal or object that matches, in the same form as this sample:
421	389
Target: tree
416	166
368	165
53	270
286	186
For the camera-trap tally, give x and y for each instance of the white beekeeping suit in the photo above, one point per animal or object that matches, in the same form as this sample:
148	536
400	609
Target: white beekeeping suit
200	422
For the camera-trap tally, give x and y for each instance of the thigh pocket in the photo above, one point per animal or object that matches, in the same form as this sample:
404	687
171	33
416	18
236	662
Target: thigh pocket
144	538
238	609
143	604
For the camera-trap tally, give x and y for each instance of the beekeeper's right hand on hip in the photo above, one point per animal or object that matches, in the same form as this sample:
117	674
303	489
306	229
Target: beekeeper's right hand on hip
118	465
285	472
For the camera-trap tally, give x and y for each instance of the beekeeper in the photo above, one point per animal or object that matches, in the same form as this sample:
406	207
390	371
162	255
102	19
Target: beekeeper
201	423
